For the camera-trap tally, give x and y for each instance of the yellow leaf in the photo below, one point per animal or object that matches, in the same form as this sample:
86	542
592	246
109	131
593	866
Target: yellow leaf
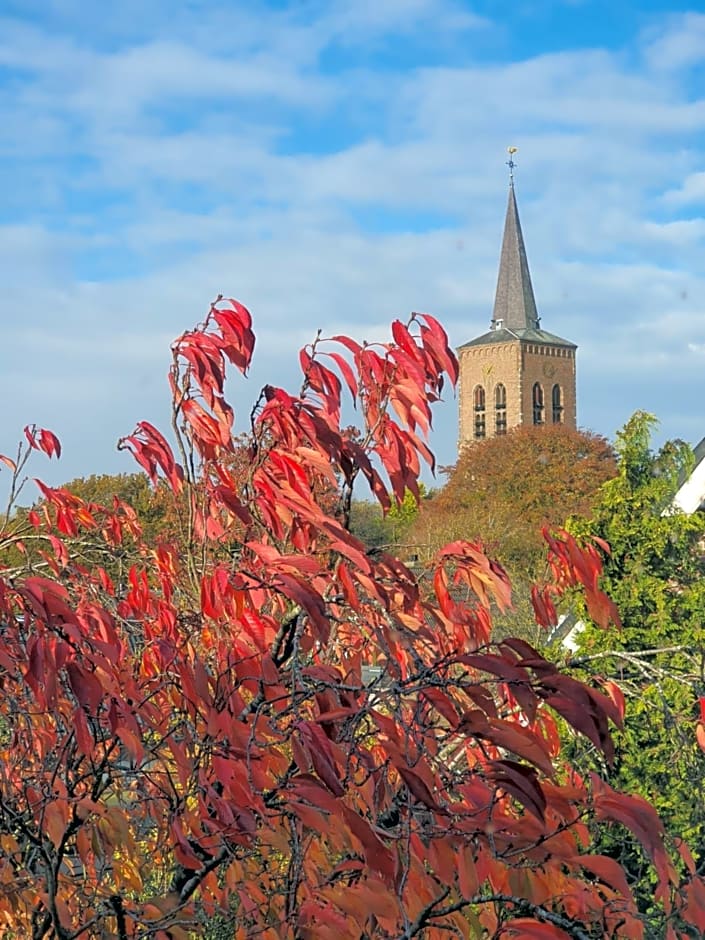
126	871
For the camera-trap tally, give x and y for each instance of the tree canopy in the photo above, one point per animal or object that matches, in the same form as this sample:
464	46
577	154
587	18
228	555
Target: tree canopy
655	572
306	746
505	489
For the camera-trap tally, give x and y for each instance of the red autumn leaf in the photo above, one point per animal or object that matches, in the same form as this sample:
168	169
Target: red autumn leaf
41	439
700	735
309	789
350	344
443	705
694	910
318	749
417	786
509	736
60	551
132	743
84	738
298	590
544	610
520	782
617	696
609	871
602	610
686	856
235	326
435	338
204	355
639	817
153	453
85	686
209	434
346	371
49	443
379	858
403	338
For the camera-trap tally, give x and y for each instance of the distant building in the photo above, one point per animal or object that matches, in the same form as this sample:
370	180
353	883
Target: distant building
517	373
690	497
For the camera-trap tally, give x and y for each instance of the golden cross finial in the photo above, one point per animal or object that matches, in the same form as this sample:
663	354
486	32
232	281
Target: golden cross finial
511	164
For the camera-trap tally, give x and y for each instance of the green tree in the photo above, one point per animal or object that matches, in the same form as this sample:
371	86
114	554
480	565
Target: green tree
368	523
25	547
655	574
393	529
159	518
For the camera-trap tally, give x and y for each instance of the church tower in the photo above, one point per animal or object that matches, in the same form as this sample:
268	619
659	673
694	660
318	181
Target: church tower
517	373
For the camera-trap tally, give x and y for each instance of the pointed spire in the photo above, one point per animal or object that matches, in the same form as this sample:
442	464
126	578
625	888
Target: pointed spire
514	305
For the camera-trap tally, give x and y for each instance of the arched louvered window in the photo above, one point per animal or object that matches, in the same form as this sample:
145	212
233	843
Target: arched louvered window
500	409
557	402
539	410
479	406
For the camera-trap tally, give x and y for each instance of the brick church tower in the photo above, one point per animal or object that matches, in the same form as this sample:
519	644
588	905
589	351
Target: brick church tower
517	373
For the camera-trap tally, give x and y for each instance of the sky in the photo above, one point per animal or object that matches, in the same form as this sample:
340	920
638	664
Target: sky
336	165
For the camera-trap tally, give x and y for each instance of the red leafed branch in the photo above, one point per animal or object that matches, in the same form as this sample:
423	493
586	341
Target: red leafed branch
266	723
574	565
153	453
41	439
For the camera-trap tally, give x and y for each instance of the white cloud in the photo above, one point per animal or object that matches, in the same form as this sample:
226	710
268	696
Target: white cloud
351	21
678	233
692	190
222	156
142	76
678	44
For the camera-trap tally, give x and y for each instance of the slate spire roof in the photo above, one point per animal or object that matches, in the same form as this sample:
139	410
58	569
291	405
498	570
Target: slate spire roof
515	316
514	303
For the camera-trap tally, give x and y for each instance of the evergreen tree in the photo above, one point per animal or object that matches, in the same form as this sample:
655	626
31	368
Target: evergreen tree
654	573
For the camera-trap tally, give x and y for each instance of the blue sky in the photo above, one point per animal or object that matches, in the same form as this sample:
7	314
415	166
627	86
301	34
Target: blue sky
337	165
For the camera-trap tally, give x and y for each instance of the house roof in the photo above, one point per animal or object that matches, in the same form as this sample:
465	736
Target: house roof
524	336
691	494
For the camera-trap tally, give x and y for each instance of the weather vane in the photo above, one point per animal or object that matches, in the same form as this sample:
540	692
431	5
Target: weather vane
511	164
